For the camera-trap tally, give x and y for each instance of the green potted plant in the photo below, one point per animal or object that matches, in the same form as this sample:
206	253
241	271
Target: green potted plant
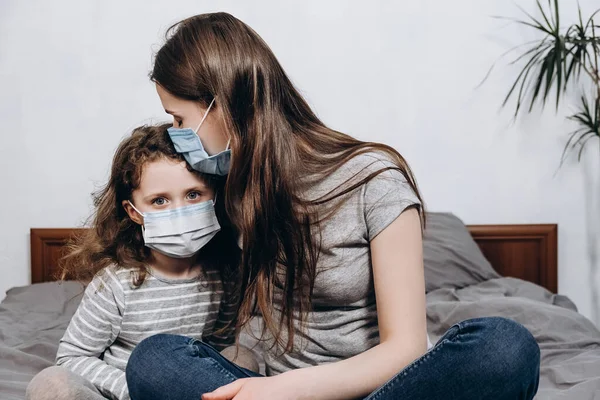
563	57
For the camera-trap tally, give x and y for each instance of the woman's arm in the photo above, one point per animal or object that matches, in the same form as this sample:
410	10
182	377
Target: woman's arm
397	258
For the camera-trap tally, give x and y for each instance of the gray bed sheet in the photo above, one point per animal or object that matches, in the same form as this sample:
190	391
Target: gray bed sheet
33	319
569	342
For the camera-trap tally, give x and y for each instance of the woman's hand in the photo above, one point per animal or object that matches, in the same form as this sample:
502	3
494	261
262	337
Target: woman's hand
272	388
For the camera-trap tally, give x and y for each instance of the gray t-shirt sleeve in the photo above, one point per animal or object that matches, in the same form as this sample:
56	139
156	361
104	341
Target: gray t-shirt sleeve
385	197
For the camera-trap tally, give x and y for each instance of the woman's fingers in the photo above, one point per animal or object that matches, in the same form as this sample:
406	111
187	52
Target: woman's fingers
226	392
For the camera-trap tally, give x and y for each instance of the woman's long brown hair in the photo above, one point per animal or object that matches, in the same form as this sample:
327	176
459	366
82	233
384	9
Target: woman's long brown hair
279	148
113	238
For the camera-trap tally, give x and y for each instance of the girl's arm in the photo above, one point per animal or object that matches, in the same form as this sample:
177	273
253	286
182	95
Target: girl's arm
397	258
223	333
92	329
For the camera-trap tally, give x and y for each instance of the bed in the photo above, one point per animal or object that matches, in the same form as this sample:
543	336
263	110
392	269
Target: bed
471	271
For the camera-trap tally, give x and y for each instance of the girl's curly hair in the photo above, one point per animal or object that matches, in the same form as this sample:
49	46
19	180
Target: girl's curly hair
113	238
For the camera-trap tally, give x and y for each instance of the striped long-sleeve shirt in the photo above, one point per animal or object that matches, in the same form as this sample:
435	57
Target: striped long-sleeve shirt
114	316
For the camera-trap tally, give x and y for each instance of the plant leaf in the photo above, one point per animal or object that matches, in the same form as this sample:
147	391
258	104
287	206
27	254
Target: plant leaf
551	59
540	80
590	21
544	14
527	67
543	43
588	119
561	66
536	24
557	16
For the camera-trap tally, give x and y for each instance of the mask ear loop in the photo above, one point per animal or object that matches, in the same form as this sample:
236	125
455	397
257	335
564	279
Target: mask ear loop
205	115
226	148
139	212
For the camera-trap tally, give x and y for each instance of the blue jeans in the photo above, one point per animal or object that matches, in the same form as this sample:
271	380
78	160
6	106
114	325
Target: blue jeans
484	358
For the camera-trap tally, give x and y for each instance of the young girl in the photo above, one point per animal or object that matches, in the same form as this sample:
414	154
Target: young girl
331	257
159	260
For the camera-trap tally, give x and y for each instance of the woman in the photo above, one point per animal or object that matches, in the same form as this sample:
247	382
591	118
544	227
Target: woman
330	231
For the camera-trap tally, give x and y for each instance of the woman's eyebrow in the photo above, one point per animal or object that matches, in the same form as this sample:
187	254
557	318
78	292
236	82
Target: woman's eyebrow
170	112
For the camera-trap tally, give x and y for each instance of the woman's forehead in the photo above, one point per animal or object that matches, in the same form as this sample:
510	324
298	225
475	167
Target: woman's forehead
176	105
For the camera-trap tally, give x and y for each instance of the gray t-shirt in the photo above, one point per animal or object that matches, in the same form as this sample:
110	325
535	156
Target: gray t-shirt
343	319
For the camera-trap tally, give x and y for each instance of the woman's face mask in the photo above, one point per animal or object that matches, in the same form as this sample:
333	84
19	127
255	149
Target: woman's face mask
187	142
205	148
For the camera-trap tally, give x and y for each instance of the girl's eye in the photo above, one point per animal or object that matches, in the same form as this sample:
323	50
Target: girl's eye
193	196
178	122
159	201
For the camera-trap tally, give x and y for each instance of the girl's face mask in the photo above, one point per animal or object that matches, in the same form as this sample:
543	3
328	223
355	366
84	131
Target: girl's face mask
180	232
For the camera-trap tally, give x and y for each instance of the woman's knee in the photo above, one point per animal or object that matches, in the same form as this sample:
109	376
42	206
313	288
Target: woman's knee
173	366
512	343
512	354
156	347
155	360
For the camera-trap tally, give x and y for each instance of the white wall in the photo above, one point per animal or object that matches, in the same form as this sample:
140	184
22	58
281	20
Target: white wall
73	81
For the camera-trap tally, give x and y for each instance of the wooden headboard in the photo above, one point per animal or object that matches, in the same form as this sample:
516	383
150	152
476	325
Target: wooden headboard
528	252
47	246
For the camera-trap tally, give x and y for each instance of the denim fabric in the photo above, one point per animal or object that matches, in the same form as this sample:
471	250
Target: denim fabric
177	367
483	358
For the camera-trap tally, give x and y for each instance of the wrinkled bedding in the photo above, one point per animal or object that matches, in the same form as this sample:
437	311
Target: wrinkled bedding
33	319
569	342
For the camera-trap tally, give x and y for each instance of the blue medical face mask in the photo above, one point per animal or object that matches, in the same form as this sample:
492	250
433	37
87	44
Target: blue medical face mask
180	232
187	142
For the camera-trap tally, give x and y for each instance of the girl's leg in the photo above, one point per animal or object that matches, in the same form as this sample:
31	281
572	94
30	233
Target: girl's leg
177	367
484	358
58	383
